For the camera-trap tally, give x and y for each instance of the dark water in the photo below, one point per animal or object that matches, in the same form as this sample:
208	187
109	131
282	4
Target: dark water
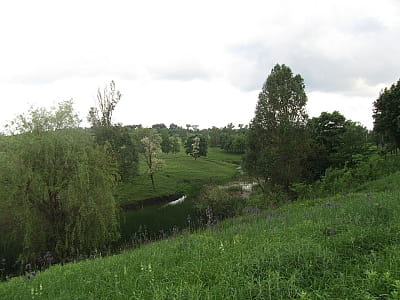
157	221
151	222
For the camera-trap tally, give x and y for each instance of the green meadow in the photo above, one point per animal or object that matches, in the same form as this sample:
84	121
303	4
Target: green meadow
342	247
181	175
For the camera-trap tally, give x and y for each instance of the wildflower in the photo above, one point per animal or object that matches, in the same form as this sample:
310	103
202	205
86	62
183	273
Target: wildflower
221	247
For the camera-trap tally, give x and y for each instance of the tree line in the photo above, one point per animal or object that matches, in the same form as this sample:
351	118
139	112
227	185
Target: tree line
285	147
58	178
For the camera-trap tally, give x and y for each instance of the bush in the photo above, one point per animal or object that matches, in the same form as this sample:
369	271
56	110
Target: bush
364	168
221	201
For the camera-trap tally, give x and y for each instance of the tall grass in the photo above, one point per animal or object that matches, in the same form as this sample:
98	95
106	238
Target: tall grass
340	247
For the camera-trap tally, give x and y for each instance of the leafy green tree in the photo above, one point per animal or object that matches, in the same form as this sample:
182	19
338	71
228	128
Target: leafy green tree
176	143
196	146
387	115
334	141
151	150
121	148
41	119
215	136
325	132
165	141
158	126
277	143
57	188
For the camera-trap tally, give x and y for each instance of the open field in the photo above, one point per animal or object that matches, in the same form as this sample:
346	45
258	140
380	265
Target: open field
342	247
181	175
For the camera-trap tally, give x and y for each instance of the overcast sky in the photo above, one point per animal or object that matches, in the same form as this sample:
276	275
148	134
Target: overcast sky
196	62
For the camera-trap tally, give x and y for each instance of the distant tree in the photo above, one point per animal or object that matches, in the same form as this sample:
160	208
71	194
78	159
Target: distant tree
276	143
334	140
173	126
215	136
57	187
107	99
165	140
41	119
196	146
151	150
176	143
121	148
386	115
353	141
159	126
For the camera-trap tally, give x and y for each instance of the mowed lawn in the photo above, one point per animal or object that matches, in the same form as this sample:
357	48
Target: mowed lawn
181	175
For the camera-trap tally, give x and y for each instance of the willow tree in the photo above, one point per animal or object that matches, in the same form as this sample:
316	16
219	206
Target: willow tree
57	186
276	142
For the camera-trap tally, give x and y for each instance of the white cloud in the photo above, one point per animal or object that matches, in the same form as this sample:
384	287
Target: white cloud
210	57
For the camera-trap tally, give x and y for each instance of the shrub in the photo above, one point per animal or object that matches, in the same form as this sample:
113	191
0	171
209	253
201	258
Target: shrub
222	201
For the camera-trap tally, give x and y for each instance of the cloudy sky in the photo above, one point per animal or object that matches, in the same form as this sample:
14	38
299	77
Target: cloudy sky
196	62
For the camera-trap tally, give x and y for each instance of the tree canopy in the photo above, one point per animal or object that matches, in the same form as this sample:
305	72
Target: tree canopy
57	188
276	142
386	115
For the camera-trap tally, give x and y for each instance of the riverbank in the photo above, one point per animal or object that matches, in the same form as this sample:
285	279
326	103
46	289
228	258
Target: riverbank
341	247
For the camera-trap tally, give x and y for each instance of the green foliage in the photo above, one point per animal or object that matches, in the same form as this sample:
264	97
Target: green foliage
181	175
349	178
334	141
286	253
58	190
221	201
229	138
175	143
41	119
166	146
277	141
57	187
387	116
196	146
151	150
121	148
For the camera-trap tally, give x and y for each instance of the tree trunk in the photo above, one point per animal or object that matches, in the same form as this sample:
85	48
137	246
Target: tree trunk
152	182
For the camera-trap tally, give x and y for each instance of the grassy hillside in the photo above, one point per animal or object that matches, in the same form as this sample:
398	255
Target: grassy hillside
181	174
342	247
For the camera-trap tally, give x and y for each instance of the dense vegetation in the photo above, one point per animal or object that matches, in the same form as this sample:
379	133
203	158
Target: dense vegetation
63	187
57	189
340	247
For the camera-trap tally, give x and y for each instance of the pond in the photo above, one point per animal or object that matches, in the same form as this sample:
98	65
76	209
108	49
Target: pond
158	220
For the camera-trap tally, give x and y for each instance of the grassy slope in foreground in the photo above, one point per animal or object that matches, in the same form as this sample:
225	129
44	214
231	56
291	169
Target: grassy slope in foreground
180	175
342	247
